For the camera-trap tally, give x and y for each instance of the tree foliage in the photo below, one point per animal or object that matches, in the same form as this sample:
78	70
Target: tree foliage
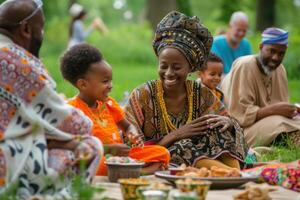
227	8
184	6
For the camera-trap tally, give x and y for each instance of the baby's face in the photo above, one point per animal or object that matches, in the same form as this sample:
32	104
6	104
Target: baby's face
211	77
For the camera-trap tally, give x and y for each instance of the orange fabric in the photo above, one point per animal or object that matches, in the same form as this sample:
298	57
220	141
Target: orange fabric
148	154
110	114
102	169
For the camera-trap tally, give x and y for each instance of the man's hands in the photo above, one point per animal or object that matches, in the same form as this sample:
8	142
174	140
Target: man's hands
285	109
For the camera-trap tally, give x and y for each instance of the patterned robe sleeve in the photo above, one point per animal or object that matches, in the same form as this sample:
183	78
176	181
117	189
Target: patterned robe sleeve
218	108
31	112
134	112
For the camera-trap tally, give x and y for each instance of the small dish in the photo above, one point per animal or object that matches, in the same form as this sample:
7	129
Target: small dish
129	187
116	171
198	186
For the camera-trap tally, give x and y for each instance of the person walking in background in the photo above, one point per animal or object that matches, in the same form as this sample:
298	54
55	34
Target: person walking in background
233	43
77	31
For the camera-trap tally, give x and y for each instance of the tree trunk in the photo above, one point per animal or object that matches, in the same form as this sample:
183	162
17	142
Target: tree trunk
157	9
265	16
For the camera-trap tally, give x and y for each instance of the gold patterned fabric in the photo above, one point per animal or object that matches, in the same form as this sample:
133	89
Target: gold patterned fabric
144	111
186	34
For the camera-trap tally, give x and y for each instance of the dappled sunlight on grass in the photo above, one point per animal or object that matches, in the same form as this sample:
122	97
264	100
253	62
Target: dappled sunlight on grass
285	151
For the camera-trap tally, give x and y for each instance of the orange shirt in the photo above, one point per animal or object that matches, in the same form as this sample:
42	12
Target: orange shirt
105	118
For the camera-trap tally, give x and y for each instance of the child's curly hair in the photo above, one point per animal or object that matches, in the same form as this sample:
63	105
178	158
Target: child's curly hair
76	61
211	58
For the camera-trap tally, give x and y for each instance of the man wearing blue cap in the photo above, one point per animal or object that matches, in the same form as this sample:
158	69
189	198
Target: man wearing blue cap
256	92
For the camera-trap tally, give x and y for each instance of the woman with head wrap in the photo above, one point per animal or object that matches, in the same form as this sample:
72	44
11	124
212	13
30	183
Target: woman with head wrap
181	114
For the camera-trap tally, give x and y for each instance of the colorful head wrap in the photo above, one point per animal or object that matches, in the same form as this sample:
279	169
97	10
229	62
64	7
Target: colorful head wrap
187	35
275	36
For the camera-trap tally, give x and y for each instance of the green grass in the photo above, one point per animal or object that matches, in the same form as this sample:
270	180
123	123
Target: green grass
285	151
283	154
294	91
128	49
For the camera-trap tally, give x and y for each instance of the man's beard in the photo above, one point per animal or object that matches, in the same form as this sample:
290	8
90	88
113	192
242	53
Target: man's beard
35	46
265	67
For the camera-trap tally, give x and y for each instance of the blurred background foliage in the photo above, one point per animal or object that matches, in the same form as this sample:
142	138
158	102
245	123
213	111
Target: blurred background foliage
131	22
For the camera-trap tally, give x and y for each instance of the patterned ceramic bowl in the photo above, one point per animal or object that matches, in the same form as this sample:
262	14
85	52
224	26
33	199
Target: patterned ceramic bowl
130	187
157	186
199	187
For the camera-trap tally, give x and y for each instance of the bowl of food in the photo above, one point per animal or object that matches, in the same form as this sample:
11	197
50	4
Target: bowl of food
156	186
129	187
123	167
200	187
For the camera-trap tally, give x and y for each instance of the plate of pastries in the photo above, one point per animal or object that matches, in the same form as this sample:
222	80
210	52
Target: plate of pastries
221	178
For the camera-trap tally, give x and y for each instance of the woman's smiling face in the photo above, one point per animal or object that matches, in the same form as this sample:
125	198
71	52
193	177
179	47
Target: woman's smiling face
173	68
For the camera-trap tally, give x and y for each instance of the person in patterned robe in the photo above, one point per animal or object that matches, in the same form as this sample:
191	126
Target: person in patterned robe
42	138
181	114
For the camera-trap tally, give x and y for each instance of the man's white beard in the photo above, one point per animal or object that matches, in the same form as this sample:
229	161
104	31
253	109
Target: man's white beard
265	68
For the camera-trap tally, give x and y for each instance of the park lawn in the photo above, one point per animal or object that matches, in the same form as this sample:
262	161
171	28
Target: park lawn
127	77
294	91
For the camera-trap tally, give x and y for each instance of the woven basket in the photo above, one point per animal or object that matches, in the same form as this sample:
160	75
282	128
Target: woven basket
116	171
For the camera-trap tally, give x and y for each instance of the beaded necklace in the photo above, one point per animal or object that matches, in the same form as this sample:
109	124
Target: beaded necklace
165	116
97	117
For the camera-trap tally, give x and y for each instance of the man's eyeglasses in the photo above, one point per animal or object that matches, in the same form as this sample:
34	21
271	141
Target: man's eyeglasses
38	3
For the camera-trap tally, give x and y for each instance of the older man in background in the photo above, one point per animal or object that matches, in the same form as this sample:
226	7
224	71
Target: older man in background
233	44
257	93
42	139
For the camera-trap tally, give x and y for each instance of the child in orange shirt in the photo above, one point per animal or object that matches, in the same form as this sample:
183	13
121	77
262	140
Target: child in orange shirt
84	67
211	74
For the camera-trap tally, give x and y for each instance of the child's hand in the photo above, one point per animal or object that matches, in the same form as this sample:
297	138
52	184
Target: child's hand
117	149
135	139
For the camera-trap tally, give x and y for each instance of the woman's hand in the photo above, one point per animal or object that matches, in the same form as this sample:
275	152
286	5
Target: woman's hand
224	122
194	128
201	124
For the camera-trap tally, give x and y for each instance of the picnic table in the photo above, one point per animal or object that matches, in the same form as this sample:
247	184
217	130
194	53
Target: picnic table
113	191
